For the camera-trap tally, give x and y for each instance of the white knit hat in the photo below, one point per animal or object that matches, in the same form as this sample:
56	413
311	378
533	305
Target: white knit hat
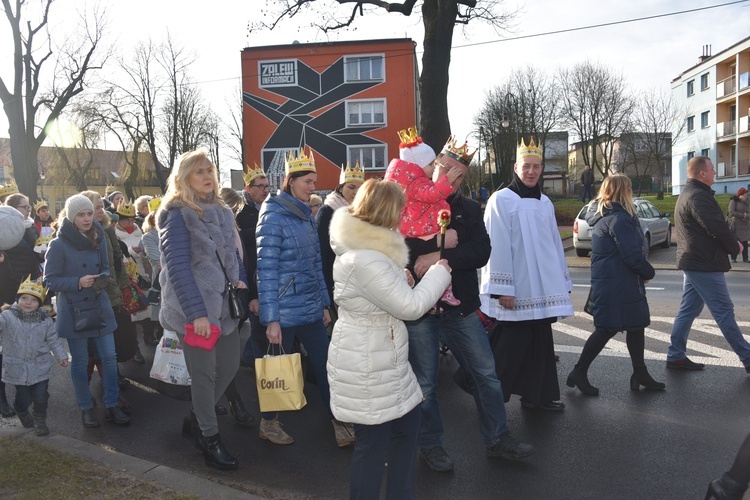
421	154
76	204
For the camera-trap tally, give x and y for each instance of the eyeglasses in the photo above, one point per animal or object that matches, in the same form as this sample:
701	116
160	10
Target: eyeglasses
23	207
264	187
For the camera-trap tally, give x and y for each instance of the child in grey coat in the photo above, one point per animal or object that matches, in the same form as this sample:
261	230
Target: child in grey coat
28	335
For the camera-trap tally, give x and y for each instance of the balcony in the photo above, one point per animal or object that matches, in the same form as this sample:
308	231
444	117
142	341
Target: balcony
744	124
726	129
744	80
726	170
743	167
726	87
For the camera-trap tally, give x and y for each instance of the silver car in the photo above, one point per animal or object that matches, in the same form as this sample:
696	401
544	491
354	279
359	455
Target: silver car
655	225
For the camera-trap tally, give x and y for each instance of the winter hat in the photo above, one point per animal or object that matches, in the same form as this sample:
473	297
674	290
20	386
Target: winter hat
413	150
741	191
11	227
112	195
76	204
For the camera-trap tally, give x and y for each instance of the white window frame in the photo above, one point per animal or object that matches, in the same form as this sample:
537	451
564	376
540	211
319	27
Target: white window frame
708	82
347	60
691	87
366	168
383	101
706	152
705	123
690	123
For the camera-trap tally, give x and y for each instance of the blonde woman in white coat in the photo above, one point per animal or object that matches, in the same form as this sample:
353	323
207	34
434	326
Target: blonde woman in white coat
371	382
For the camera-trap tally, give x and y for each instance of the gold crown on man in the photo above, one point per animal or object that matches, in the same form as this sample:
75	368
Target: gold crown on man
459	153
43	240
34	288
40	204
530	149
252	174
8	189
299	162
126	209
348	174
409	137
154	204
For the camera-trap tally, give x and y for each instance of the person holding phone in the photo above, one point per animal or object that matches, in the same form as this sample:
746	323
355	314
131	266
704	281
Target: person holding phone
196	233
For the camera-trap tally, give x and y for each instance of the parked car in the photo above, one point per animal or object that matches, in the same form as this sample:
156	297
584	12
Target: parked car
655	225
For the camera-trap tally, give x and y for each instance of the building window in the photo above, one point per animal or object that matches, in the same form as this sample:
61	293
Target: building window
363	68
691	154
365	112
370	157
704	119
691	88
705	152
691	123
704	81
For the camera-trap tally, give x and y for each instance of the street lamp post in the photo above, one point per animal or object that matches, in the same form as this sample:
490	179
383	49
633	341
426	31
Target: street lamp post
489	159
506	123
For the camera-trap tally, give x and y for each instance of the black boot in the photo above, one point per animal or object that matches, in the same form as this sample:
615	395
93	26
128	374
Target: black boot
6	410
40	424
641	377
725	488
116	415
191	430
241	415
579	378
216	455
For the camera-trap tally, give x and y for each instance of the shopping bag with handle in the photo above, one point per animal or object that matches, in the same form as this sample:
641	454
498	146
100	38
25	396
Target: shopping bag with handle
280	382
169	361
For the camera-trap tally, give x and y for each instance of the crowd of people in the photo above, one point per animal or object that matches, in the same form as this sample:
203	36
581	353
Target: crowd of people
368	281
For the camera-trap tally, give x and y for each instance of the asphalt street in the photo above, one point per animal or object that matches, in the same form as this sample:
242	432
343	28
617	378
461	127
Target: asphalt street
618	445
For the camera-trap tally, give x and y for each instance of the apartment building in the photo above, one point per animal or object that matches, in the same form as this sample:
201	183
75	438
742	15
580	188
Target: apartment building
346	101
715	94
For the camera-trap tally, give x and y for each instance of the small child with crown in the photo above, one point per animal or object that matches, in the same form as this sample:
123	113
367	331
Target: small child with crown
413	170
28	335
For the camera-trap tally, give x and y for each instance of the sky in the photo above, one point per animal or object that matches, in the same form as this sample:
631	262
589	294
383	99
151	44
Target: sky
649	53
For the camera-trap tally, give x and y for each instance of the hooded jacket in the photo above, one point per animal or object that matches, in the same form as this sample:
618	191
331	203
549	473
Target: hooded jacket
291	287
618	269
370	378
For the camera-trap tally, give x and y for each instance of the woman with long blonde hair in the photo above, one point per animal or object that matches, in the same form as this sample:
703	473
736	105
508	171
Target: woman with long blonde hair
198	258
619	272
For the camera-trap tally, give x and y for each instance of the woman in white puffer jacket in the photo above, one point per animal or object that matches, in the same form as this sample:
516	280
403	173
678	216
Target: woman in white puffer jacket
371	382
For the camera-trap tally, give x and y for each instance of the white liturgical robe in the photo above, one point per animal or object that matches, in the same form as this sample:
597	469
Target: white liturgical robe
527	260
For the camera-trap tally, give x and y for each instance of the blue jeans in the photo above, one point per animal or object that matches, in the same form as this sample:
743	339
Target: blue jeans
256	344
467	340
709	288
314	338
36	393
79	352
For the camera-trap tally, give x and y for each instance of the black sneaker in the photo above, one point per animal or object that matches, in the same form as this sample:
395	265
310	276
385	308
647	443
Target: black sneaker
507	447
685	364
437	459
89	418
116	415
26	419
747	369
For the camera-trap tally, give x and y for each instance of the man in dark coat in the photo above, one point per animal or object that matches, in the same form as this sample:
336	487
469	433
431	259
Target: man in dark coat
704	243
587	183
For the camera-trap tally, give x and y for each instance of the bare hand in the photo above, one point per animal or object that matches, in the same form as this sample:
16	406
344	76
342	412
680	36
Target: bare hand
645	281
63	362
326	317
444	263
409	278
2	257
440	170
424	262
240	285
254	306
741	248
202	327
507	301
454	173
273	332
86	281
451	239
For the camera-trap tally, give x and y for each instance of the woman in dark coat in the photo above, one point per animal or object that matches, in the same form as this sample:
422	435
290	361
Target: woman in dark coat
619	272
739	214
75	260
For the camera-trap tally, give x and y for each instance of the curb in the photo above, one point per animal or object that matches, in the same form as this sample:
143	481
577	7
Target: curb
143	469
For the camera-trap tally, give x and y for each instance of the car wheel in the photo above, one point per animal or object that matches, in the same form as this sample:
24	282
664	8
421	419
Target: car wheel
669	238
648	240
582	252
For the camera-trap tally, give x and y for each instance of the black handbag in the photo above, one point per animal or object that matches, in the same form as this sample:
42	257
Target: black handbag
239	298
587	305
87	317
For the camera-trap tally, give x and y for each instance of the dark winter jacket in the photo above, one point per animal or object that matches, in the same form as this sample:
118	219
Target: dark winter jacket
69	257
704	240
618	269
327	256
291	286
20	262
247	220
192	281
472	252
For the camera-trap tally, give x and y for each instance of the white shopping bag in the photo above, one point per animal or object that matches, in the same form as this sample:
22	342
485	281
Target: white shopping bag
169	361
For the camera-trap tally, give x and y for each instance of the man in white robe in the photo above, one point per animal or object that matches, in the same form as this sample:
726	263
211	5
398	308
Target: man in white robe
525	285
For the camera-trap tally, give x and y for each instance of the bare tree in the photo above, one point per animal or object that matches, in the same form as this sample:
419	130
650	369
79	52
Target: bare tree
72	163
596	106
235	132
439	17
29	104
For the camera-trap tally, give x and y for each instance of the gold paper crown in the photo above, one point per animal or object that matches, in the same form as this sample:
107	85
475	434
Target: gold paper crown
458	153
154	204
409	137
355	174
8	189
42	240
252	174
299	162
528	150
109	190
39	204
34	288
126	209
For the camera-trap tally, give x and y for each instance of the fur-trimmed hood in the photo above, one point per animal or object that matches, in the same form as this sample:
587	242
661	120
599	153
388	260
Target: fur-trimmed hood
350	233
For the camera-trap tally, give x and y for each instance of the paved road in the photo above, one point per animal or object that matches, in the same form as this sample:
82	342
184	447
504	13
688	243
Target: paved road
621	444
